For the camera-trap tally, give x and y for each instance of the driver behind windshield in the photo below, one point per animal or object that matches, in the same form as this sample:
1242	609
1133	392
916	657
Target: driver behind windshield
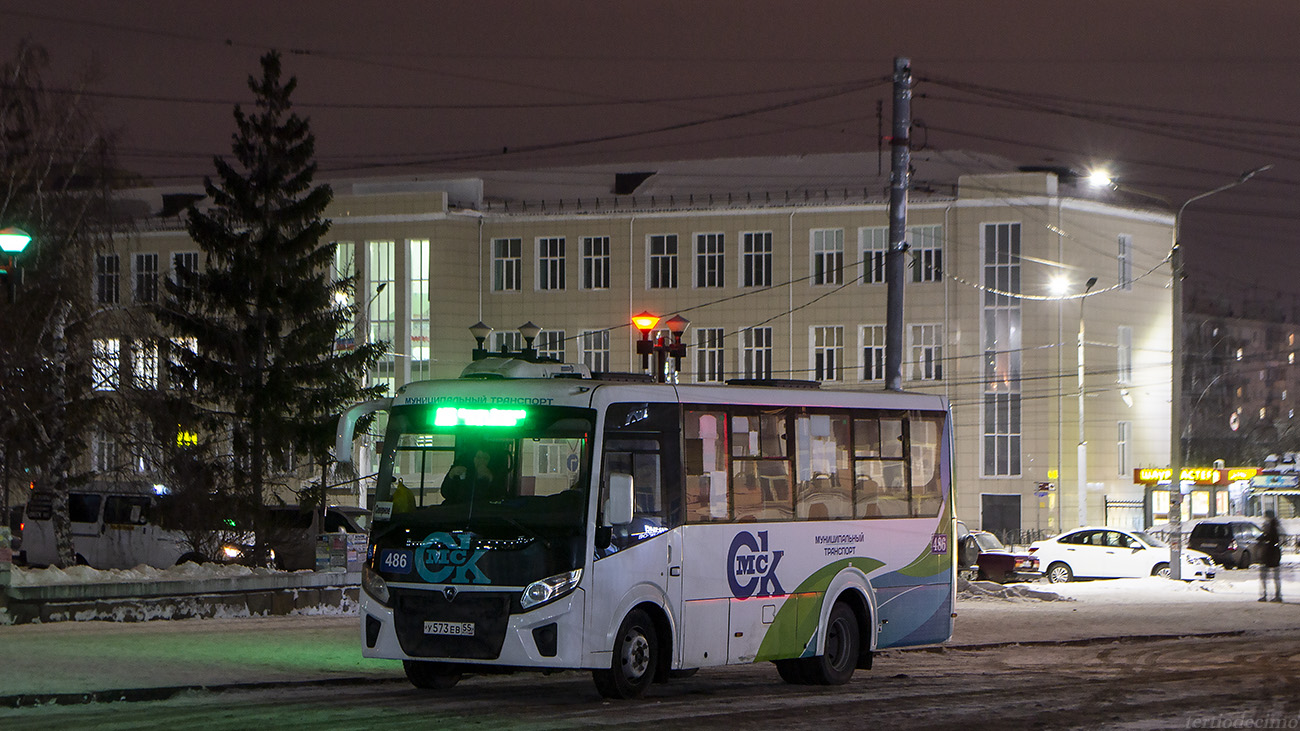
479	478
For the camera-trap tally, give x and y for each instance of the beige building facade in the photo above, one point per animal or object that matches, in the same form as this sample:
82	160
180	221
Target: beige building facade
789	284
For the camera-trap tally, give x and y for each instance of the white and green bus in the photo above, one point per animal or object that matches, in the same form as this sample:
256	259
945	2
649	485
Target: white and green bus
529	516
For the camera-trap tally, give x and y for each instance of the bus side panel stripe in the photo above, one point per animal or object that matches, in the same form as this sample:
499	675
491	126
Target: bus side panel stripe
799	619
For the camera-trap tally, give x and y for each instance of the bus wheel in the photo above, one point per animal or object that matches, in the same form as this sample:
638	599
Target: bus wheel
836	663
636	655
192	557
431	675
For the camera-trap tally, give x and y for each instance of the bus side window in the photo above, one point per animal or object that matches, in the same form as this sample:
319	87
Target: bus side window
825	479
706	466
641	459
880	489
927	498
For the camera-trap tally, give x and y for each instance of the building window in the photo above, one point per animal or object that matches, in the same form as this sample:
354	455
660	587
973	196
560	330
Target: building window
595	350
756	352
103	452
756	266
146	277
107	278
663	261
927	253
827	255
708	355
827	352
1125	441
550	344
177	378
1124	347
927	352
507	265
1125	262
144	364
595	262
187	260
104	363
550	263
382	312
419	262
508	341
1001	342
875	244
873	352
709	260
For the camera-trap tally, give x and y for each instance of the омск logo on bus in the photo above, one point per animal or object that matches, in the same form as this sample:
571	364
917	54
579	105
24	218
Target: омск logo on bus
752	566
445	557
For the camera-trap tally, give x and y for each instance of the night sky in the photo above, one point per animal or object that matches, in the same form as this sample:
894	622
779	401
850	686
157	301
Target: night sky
1176	98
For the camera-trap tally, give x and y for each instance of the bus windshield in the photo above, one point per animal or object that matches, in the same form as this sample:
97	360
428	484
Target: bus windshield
511	479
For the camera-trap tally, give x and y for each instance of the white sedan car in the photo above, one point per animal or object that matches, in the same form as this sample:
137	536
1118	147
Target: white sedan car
1110	553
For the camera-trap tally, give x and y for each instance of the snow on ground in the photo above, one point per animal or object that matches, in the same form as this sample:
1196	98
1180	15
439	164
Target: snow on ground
141	573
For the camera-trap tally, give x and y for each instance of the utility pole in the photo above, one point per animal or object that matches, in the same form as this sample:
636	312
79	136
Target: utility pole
899	179
1083	437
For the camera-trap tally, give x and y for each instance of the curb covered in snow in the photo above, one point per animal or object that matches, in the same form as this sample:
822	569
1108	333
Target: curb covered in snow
122	597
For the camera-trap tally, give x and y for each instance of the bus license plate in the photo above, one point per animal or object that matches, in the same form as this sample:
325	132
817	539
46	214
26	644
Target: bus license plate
457	629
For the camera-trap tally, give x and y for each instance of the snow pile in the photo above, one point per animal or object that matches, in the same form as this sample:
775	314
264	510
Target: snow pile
1235	588
142	573
988	590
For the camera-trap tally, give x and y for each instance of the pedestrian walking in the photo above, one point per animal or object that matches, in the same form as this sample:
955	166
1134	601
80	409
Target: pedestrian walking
1270	554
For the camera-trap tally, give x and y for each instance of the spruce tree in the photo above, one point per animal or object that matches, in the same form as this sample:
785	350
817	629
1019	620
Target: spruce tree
256	324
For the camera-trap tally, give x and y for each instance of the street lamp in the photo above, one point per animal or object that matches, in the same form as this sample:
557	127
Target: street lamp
480	332
1083	441
13	241
676	325
1175	396
645	322
529	331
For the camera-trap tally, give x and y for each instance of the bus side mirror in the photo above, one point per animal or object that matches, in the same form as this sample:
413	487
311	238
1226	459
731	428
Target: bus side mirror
618	508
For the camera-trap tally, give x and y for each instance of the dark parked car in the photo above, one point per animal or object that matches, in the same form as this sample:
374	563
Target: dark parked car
984	558
1229	541
292	533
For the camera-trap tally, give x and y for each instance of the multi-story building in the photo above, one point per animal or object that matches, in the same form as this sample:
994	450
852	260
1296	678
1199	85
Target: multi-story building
779	266
1240	380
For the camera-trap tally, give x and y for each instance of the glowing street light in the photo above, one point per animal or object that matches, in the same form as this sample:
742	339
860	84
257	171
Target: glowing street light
645	322
14	240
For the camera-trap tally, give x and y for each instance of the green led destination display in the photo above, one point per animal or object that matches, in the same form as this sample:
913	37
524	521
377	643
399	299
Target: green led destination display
455	416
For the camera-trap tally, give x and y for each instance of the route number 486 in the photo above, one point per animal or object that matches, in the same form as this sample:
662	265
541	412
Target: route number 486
397	562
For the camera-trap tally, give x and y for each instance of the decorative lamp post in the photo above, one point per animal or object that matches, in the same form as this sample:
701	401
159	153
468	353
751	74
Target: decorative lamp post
677	349
529	331
645	322
480	332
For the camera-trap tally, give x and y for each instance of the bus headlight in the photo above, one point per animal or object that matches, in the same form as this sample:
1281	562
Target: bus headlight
374	585
552	587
